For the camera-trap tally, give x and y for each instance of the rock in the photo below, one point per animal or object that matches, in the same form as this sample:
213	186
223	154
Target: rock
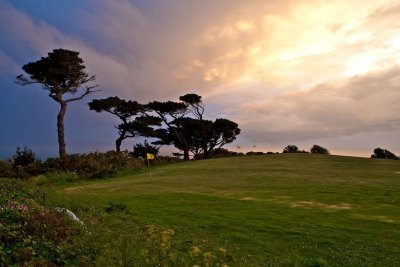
70	214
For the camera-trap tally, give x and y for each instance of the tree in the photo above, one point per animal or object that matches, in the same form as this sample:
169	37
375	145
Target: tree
125	111
169	112
63	75
316	149
223	132
291	149
192	134
380	153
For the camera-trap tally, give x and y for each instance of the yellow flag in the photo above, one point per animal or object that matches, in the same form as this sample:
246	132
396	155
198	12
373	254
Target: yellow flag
150	156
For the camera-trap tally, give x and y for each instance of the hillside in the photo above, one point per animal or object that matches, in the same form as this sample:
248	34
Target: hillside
267	210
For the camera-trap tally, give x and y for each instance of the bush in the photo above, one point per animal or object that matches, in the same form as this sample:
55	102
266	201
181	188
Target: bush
291	149
24	157
316	149
380	153
33	235
96	164
224	153
6	170
252	153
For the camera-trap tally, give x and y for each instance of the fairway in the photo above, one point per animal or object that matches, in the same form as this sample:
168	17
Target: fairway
267	210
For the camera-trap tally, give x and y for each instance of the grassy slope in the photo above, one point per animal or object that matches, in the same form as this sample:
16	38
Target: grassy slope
266	208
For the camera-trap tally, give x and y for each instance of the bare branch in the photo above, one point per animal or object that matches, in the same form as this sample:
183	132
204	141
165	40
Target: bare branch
88	91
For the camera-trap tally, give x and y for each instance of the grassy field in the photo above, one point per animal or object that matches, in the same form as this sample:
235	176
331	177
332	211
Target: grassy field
286	209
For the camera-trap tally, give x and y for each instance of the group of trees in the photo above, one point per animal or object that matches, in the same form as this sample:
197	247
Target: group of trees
62	73
180	124
315	149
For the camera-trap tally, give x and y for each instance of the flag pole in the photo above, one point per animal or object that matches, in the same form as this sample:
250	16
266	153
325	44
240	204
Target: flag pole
148	165
148	157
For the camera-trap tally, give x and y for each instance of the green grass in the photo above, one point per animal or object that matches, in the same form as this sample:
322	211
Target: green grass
282	209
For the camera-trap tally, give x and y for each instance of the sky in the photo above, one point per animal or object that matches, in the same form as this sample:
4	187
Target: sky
299	72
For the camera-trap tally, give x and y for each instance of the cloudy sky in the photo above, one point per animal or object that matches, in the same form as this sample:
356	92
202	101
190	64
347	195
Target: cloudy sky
297	72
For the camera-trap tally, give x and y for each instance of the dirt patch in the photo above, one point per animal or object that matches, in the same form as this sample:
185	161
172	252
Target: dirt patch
381	218
385	219
313	204
248	198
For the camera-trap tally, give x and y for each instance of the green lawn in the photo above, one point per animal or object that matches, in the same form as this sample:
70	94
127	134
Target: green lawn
267	210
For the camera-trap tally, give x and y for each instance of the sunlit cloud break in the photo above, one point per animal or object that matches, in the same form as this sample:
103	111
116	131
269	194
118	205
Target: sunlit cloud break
286	71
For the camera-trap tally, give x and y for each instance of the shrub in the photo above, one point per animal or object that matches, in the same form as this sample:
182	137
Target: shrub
96	164
157	246
24	157
252	153
291	149
380	153
33	235
224	153
6	170
316	149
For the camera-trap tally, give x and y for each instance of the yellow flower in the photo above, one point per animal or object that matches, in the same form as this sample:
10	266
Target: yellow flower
223	250
195	250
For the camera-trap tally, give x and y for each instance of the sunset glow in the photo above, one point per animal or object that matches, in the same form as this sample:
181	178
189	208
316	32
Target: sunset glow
299	72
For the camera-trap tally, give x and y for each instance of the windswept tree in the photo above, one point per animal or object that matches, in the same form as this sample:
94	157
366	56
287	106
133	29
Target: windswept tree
62	73
170	112
188	131
132	114
194	104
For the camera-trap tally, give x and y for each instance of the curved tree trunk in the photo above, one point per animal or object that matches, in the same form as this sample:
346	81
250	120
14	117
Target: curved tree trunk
61	136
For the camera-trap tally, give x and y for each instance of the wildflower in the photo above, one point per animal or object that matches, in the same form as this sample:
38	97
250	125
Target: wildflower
222	250
195	250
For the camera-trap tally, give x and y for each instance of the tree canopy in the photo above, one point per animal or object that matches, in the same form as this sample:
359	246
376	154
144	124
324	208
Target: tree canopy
178	123
290	149
188	131
380	153
132	114
316	149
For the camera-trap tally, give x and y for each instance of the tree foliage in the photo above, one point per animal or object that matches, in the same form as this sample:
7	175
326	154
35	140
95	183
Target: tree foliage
178	123
290	149
62	73
24	157
131	113
188	131
380	153
316	149
141	150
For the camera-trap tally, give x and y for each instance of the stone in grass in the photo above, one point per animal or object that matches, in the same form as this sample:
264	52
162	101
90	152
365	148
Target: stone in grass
70	214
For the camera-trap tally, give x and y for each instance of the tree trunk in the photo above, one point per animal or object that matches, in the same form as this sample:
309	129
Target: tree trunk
118	143
186	154
61	136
